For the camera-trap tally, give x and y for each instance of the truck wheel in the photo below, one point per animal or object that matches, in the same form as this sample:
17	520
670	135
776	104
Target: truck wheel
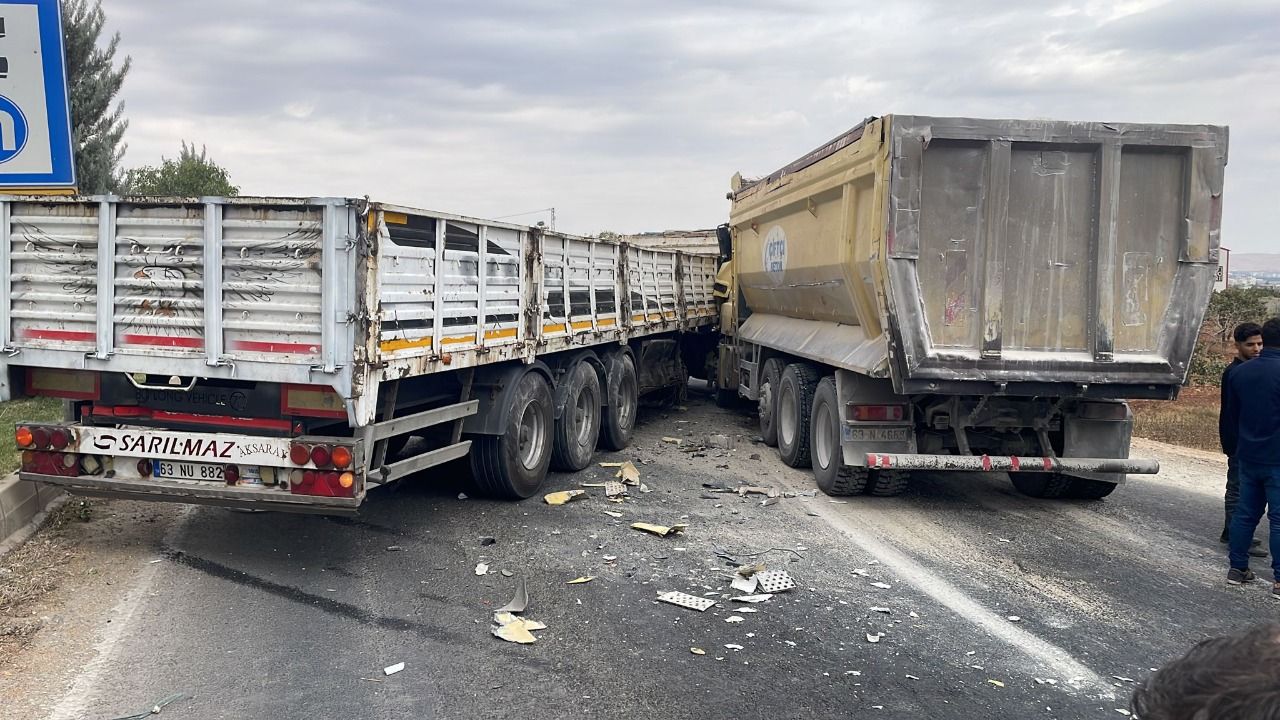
1086	489
887	483
618	419
514	464
578	428
770	378
795	412
833	476
1040	485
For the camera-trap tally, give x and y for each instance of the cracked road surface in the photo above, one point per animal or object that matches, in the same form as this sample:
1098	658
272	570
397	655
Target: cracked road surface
998	605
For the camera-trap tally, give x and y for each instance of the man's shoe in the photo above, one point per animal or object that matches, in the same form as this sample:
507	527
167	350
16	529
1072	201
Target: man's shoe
1239	577
1256	549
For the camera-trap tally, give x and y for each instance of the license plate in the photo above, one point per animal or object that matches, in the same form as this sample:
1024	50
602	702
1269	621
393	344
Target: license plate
185	470
875	434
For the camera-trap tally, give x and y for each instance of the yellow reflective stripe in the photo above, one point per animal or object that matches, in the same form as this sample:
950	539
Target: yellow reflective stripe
396	345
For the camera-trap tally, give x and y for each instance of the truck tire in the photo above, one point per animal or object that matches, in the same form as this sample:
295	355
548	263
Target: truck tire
1086	489
1040	485
578	428
833	476
887	483
618	419
795	412
514	464
767	393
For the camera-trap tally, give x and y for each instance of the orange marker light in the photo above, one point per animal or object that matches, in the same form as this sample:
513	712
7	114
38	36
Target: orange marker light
346	480
24	437
341	457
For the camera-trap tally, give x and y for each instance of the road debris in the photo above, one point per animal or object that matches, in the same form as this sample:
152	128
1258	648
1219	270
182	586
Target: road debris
609	558
881	585
611	464
613	513
769	501
775	581
874	637
582	580
156	708
1122	678
1123	712
393	669
659	530
733	647
723	442
1046	681
1014	618
697	651
884	610
745	585
462	496
481	568
519	601
752	598
747	571
997	683
562	497
628	473
746	490
506	573
912	677
486	541
394	548
515	629
693	602
613	488
734	619
672	440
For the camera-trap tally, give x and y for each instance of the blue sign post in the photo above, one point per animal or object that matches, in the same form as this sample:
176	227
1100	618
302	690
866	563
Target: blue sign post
35	113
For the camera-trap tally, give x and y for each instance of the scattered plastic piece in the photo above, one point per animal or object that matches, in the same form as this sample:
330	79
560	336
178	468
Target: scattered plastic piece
628	473
481	569
874	637
693	602
394	548
860	572
753	598
672	440
610	464
1125	713
1014	618
744	584
613	514
153	562
748	610
462	496
768	501
582	580
731	646
562	497
659	530
912	677
515	629
609	558
884	610
853	672
734	619
697	651
486	541
997	683
393	669
881	585
519	601
913	614
1004	540
1122	678
506	573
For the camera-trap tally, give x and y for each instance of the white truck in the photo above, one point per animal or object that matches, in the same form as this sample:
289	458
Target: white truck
279	353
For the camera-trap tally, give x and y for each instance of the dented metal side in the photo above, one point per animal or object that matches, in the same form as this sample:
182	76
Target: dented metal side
995	251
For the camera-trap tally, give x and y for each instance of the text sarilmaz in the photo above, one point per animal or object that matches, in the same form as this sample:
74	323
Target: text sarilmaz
128	443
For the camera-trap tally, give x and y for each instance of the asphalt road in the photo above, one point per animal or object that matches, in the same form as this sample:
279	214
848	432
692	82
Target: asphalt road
286	616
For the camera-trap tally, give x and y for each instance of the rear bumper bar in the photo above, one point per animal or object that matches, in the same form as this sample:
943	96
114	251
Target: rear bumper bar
1008	463
204	494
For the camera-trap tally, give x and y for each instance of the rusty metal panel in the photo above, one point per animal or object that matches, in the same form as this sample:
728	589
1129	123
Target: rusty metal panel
159	278
54	275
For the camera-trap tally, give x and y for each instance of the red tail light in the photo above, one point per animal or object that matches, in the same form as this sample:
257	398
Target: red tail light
24	438
231	474
299	454
60	438
877	413
40	436
320	455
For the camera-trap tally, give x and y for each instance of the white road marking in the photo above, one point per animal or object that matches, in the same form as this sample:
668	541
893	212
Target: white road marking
75	704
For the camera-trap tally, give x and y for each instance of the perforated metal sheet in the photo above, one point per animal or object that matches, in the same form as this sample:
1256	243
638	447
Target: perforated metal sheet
774	581
693	602
613	488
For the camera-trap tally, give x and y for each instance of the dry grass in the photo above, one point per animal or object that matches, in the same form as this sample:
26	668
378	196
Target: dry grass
25	410
1190	421
33	570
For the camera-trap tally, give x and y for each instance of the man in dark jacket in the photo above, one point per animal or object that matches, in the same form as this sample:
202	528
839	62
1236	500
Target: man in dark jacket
1253	406
1248	339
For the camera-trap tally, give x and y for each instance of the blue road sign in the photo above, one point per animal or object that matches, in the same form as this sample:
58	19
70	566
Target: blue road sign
35	114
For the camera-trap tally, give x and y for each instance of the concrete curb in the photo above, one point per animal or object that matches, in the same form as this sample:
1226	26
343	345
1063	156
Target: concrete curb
23	507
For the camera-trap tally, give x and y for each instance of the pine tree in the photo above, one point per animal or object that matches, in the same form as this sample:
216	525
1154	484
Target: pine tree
94	80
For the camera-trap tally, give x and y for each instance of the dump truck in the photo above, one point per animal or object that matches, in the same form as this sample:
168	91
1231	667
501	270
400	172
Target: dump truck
295	353
958	294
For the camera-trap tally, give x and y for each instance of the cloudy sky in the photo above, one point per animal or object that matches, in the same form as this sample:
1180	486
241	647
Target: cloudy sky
631	116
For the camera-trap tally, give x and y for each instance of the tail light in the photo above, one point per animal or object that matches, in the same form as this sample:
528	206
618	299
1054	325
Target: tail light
60	438
231	474
320	455
40	436
144	468
299	454
346	480
341	457
69	460
876	413
23	437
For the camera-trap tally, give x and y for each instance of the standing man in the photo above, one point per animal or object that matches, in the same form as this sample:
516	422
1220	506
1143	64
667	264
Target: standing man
1248	338
1253	405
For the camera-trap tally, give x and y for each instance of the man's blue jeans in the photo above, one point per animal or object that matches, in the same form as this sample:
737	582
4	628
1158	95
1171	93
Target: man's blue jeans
1259	493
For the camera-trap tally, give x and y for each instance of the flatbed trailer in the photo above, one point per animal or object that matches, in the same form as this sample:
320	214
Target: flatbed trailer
283	352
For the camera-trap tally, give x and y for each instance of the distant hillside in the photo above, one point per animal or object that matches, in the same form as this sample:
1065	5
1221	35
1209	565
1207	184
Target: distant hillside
1255	262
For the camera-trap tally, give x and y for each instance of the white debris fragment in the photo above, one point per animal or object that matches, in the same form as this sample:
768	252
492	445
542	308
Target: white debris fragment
881	585
873	562
1004	540
912	677
884	610
790	642
733	647
748	610
1125	713
1122	678
734	619
853	672
860	571
745	585
874	637
913	614
393	669
481	569
752	598
1014	618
